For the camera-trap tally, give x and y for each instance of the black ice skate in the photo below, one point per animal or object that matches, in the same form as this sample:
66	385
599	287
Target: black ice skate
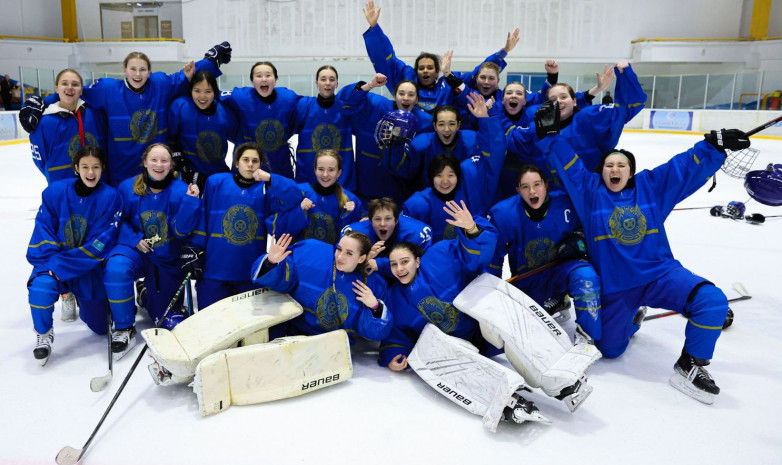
575	395
691	378
521	410
43	346
122	341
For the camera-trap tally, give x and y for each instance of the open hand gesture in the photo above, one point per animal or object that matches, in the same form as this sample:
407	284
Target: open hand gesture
278	251
604	80
364	294
377	248
189	70
371	14
511	41
446	64
462	218
477	105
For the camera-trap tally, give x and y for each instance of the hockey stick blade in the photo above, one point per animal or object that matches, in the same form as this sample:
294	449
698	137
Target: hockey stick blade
68	456
738	287
99	383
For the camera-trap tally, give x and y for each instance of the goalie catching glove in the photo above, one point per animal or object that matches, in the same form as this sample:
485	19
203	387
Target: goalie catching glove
727	139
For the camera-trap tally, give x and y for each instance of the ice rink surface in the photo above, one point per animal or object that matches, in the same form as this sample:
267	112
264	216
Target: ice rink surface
381	417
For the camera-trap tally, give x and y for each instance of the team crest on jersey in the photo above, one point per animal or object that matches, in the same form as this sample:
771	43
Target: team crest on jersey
627	225
155	223
240	225
270	135
322	228
143	126
439	313
539	252
75	231
450	232
326	136
332	309
209	146
75	143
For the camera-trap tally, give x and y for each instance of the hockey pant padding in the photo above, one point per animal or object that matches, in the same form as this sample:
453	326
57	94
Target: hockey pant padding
706	313
584	288
285	367
244	317
455	369
44	290
536	346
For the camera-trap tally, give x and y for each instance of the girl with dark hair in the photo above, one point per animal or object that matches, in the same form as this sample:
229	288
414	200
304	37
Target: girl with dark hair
159	213
472	181
425	284
624	227
239	210
426	72
75	229
330	284
363	109
539	230
321	126
266	116
200	127
66	126
328	205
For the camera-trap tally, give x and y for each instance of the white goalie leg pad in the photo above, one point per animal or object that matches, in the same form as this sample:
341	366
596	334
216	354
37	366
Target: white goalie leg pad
455	369
242	318
535	344
285	367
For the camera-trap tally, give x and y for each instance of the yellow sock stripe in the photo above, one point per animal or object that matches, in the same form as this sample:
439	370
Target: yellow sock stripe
120	301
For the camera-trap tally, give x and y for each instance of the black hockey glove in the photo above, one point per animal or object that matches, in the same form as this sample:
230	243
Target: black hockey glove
188	172
547	119
727	139
572	247
31	113
190	260
220	53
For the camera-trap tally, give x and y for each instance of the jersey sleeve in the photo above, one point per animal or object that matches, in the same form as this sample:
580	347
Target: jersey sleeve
281	278
482	172
187	216
384	60
503	240
578	181
44	242
39	149
497	58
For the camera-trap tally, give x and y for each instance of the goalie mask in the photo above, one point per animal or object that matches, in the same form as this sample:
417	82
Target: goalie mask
765	186
395	128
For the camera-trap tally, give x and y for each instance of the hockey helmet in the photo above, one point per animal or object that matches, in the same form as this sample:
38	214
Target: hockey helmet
735	210
395	128
765	186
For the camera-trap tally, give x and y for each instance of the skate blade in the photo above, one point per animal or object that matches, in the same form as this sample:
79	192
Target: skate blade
521	416
681	384
118	355
43	361
160	375
574	400
562	316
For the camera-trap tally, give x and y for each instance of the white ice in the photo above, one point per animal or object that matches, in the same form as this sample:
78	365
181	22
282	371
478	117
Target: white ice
380	417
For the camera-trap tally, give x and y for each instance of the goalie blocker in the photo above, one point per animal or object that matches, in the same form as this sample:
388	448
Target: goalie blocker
242	319
536	346
285	367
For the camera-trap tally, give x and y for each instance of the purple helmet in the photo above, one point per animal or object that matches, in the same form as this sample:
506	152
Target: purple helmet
395	128
765	186
735	210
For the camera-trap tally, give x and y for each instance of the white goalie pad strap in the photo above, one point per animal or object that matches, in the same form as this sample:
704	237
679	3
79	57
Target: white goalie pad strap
455	369
569	369
285	367
534	342
245	316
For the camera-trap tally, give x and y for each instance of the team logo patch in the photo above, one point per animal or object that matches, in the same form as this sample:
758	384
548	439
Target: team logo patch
143	126
155	223
240	225
75	231
627	225
98	245
209	146
439	313
326	136
270	135
75	143
539	252
332	309
322	228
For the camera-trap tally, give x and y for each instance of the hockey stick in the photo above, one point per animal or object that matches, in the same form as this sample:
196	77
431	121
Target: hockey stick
764	126
69	455
691	208
758	218
529	273
738	287
99	383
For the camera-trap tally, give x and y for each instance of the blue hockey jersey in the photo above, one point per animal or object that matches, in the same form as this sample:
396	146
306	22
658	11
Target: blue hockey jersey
202	139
